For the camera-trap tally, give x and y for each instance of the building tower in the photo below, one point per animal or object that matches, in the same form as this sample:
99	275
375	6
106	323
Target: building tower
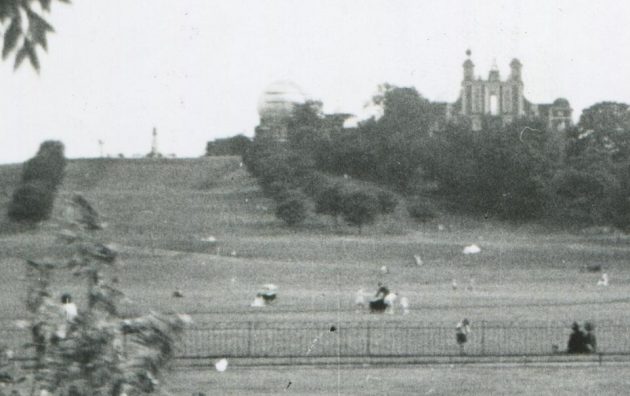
275	107
154	146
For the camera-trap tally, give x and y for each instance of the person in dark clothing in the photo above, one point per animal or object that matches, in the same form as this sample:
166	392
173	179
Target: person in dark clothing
577	340
589	338
382	292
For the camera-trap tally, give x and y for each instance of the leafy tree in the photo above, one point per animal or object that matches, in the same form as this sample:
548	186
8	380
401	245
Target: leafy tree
360	208
330	201
26	29
603	131
32	202
97	352
389	149
292	207
502	170
47	166
41	175
420	209
236	145
584	197
387	201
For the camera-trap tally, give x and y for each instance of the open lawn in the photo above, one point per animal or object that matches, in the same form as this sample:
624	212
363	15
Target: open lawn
159	212
540	380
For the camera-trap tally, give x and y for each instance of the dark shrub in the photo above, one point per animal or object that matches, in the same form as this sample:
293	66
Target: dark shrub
235	145
387	201
32	202
420	209
292	207
47	166
360	208
330	201
41	176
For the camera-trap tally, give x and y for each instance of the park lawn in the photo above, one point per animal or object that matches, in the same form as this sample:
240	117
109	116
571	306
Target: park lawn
158	212
531	379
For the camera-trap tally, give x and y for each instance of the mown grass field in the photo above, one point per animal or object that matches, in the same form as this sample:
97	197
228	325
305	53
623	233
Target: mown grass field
539	380
159	211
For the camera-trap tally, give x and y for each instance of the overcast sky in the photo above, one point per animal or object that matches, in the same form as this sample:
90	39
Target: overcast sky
195	68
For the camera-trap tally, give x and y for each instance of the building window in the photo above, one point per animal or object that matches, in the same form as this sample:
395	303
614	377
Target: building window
494	105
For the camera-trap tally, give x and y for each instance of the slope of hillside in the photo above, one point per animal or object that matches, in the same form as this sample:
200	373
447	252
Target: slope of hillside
161	213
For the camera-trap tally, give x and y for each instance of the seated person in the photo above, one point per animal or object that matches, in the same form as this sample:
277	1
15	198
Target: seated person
577	340
382	292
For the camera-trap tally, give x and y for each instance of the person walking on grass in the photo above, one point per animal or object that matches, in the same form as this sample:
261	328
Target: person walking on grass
462	330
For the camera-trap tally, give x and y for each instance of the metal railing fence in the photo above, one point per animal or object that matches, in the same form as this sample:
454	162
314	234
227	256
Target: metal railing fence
370	339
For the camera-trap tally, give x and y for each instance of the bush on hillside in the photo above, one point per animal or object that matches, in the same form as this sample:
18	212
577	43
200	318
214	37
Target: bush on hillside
235	145
292	208
387	201
32	202
33	199
360	208
420	210
330	201
47	166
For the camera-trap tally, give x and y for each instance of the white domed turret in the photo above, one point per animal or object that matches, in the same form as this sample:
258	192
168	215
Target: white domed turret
278	99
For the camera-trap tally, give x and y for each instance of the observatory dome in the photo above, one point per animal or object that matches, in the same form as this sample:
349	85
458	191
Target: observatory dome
278	99
561	102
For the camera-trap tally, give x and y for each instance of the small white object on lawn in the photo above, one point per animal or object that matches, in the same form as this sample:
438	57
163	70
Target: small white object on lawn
389	300
384	269
221	365
233	254
360	298
471	249
404	304
471	284
258	302
603	281
210	239
418	260
454	284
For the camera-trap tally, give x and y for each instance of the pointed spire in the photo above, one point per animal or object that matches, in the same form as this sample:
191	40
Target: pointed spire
494	65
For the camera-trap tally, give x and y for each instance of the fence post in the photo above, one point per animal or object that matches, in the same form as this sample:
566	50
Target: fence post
250	325
483	337
367	348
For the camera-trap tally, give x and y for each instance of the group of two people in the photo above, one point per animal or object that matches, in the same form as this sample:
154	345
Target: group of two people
582	341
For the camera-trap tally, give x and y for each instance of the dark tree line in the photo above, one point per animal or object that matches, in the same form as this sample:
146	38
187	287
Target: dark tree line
293	174
518	172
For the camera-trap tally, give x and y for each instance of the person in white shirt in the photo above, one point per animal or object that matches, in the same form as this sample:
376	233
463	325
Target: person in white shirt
69	308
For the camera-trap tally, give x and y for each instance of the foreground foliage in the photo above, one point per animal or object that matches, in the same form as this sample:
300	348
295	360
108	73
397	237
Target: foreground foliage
96	352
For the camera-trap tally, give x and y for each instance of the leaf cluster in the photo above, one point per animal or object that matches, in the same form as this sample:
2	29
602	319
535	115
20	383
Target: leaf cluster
26	29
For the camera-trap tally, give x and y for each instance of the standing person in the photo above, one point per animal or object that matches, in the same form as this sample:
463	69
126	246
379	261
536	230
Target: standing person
69	308
577	340
589	338
462	330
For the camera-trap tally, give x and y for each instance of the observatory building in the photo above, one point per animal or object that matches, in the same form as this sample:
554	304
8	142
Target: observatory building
503	98
275	106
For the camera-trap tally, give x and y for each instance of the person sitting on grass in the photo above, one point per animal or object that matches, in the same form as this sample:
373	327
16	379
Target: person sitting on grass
577	340
589	338
382	292
378	304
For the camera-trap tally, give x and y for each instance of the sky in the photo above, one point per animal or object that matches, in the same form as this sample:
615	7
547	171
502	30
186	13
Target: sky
195	69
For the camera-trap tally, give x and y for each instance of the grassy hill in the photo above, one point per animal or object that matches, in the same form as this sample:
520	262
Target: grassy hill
160	210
